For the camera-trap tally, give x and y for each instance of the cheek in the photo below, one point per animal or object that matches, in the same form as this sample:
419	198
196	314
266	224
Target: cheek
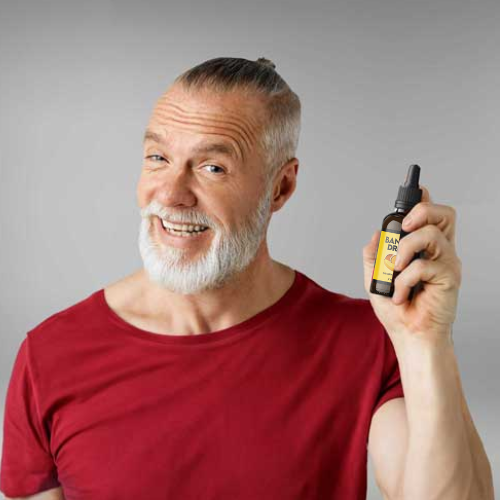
226	212
145	190
140	196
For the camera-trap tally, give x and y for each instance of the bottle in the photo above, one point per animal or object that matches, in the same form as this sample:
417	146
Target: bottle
383	275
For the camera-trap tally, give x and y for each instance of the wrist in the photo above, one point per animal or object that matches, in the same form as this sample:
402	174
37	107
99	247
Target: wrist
424	342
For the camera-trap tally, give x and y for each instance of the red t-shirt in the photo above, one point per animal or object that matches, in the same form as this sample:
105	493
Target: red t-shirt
275	407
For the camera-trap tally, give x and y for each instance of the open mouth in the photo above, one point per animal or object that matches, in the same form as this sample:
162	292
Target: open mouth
188	231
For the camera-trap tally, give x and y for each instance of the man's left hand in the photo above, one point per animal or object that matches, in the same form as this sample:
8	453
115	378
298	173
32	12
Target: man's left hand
431	312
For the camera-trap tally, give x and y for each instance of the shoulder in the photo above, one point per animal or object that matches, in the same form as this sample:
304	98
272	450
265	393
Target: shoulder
54	347
340	304
348	315
70	330
62	322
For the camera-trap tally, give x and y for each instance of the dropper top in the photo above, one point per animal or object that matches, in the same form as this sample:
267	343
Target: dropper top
409	193
412	177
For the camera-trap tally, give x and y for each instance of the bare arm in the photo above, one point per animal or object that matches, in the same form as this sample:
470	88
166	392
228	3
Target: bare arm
445	457
482	473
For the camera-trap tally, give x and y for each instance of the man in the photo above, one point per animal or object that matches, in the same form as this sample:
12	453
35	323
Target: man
216	372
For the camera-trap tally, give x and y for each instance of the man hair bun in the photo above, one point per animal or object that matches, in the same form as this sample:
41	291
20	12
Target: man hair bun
266	62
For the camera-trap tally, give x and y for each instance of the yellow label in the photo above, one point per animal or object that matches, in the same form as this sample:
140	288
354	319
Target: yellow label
386	256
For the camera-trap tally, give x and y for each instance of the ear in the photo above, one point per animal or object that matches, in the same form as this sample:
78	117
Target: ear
284	184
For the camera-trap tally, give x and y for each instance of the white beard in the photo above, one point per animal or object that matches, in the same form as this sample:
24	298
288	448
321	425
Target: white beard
227	255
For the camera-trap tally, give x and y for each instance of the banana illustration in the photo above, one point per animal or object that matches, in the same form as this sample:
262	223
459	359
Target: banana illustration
389	261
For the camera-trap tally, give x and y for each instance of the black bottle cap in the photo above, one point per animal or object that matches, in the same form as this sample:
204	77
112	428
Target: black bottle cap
409	193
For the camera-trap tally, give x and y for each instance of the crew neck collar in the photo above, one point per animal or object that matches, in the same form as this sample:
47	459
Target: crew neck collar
230	334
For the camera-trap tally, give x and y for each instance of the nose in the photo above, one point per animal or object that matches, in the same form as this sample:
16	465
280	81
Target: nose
175	189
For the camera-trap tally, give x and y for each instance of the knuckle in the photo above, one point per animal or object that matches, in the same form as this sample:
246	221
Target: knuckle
419	265
413	213
434	231
399	281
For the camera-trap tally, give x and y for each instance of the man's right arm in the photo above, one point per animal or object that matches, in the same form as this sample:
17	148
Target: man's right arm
52	494
27	462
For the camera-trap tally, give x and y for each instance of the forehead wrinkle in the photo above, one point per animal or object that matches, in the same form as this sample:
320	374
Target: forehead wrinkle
223	148
206	147
238	151
221	130
245	122
219	124
240	126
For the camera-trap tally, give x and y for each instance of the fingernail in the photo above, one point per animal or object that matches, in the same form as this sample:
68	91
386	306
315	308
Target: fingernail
397	262
407	221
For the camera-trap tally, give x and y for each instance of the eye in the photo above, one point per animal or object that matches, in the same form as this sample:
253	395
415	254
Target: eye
153	156
216	166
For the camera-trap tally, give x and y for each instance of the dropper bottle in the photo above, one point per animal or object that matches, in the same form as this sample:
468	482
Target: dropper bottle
383	275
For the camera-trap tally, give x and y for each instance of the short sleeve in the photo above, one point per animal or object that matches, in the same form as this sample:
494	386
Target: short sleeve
27	466
391	386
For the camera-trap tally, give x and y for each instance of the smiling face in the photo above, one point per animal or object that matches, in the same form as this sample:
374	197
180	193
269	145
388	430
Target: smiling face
202	165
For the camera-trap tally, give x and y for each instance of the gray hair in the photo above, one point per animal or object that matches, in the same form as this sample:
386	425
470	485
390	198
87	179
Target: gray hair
280	133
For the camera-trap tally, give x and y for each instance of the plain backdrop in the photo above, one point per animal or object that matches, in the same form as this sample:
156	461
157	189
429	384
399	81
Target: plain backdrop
383	84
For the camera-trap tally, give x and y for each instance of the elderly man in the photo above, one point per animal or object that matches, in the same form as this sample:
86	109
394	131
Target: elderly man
216	372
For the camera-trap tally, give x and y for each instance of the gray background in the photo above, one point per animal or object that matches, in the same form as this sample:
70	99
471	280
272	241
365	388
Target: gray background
383	84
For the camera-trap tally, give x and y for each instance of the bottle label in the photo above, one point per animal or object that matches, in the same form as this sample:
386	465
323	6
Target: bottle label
386	256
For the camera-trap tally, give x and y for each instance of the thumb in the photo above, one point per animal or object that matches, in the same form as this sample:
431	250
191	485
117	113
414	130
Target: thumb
369	256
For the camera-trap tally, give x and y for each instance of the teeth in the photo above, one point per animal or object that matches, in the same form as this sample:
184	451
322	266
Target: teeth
183	227
187	234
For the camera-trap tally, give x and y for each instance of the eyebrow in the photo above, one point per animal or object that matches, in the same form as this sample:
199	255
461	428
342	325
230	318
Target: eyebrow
213	147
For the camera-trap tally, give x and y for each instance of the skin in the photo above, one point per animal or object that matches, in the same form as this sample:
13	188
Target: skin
185	120
226	202
439	453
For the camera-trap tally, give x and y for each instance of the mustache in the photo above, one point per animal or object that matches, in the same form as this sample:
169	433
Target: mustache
183	219
154	209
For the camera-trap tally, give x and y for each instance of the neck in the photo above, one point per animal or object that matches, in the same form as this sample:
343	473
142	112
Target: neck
254	289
